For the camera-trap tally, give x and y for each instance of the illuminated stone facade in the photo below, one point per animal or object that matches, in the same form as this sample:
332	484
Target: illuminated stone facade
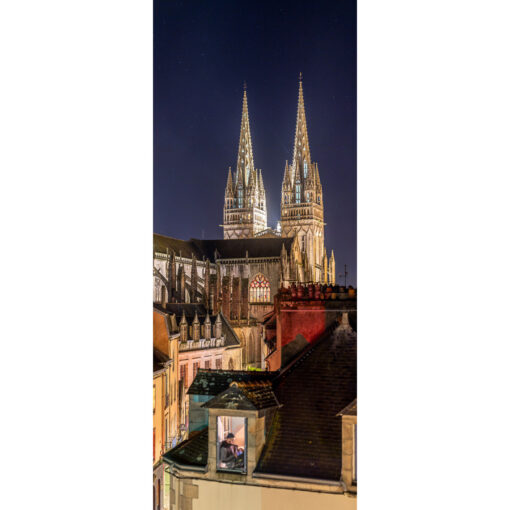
245	213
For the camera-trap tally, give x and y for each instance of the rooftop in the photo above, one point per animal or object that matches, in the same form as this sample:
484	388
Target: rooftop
248	396
305	439
213	382
192	452
223	248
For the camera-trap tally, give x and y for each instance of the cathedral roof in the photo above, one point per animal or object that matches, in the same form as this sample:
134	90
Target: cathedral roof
223	248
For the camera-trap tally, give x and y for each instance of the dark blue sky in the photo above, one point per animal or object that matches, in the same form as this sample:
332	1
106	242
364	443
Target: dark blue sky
203	51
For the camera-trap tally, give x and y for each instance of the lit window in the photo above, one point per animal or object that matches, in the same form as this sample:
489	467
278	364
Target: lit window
260	290
306	169
298	193
231	443
319	199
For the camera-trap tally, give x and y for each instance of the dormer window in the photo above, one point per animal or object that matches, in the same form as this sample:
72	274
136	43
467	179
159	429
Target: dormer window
231	443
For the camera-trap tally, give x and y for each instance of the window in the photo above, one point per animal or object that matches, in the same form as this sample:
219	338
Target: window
218	363
319	200
240	197
207	363
260	290
298	193
184	374
305	169
231	443
196	366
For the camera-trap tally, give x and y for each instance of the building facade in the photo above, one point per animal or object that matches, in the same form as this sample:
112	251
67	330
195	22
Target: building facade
273	440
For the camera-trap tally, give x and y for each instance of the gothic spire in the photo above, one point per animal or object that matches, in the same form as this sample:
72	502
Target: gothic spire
301	147
245	156
261	182
229	190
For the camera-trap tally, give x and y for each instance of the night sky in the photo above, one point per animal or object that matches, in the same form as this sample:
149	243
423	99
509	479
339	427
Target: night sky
203	52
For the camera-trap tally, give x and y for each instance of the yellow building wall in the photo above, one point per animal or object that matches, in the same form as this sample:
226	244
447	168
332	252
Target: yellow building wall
158	415
211	495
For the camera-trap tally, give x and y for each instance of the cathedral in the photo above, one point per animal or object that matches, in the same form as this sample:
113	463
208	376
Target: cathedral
239	275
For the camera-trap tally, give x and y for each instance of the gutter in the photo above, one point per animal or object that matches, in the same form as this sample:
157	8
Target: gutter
185	467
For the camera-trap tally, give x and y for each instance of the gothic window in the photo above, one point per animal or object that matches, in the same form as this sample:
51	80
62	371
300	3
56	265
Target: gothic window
298	193
260	290
306	169
319	199
240	197
308	196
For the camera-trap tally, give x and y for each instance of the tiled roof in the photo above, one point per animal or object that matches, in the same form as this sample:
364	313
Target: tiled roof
305	439
192	452
213	382
246	396
225	248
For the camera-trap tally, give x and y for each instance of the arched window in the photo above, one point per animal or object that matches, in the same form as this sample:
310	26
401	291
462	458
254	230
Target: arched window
298	193
260	290
305	169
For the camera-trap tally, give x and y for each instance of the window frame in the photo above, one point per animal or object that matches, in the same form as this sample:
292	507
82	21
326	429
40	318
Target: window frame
245	463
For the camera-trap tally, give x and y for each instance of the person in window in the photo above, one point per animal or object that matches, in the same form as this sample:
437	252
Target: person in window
231	456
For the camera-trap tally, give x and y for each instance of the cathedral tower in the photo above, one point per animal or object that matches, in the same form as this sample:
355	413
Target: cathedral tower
302	205
244	212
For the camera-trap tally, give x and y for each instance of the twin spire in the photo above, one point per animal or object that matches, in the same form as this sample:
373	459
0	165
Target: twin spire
245	212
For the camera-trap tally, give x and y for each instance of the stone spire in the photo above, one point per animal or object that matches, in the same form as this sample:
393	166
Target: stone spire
301	146
244	212
302	211
332	269
325	269
245	164
229	190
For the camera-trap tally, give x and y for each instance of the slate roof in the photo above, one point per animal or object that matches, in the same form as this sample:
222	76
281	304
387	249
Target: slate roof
245	396
192	452
158	360
305	439
188	309
226	248
350	410
213	382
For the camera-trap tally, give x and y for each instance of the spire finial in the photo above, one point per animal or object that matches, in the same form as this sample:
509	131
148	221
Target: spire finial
300	76
244	85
